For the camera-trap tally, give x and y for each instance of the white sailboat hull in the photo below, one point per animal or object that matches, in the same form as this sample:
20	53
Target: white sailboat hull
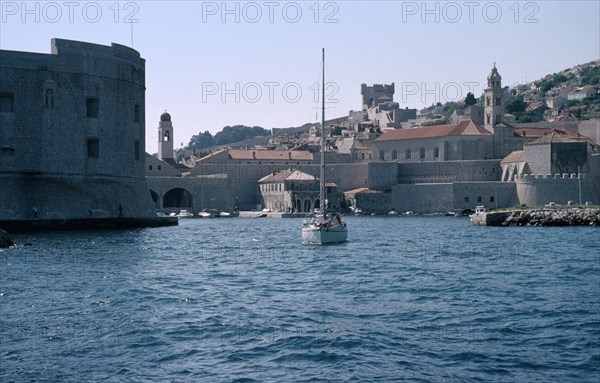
323	235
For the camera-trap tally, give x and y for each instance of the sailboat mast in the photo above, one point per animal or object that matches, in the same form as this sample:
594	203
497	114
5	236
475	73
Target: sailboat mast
322	183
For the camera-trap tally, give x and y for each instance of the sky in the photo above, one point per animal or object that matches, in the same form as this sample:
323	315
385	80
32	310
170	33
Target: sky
212	63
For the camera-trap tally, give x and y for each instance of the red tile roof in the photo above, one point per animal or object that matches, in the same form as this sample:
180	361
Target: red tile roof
541	132
516	156
270	155
555	137
464	128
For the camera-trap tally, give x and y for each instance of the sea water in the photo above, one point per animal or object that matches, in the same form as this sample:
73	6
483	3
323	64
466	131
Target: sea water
424	299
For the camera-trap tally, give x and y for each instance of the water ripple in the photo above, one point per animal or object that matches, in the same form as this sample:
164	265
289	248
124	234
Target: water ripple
410	299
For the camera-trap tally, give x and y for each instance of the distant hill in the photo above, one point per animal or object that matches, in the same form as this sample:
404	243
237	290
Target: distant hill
227	135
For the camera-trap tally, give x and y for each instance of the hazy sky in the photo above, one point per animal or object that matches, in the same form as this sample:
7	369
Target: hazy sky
212	64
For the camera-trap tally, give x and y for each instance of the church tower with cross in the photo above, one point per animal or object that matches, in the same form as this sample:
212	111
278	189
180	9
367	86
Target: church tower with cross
493	100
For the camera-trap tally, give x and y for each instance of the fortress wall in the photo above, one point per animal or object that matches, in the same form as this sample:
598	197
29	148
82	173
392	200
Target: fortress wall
443	197
44	157
242	189
60	197
449	171
422	198
541	190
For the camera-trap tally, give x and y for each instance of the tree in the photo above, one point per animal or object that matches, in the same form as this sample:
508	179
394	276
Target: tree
236	133
470	99
201	140
515	105
450	107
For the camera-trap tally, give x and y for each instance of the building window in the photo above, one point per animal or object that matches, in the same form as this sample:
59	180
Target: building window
136	113
436	152
166	136
92	107
487	101
498	100
422	153
394	154
492	199
478	199
149	167
93	147
408	154
382	155
466	199
159	167
137	150
7	102
362	156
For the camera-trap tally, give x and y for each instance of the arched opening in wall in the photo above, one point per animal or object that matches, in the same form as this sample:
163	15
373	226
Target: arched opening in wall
307	205
155	198
298	206
177	198
317	204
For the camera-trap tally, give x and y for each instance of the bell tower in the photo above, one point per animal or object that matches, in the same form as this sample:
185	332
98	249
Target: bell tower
493	100
165	137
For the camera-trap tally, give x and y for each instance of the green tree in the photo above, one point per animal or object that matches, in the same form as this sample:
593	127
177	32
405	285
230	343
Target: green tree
450	107
201	140
470	99
515	105
236	133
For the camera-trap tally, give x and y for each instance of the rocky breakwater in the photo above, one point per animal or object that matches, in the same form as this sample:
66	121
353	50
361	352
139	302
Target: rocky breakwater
5	240
554	217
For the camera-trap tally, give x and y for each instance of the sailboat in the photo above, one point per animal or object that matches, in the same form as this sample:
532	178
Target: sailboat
324	227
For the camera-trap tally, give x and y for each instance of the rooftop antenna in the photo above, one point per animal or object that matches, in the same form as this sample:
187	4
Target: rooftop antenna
131	28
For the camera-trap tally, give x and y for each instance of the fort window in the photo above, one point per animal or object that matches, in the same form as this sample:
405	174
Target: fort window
137	150
466	199
149	167
93	147
159	167
136	113
492	199
49	98
7	151
408	154
436	152
92	107
422	153
394	155
7	103
478	199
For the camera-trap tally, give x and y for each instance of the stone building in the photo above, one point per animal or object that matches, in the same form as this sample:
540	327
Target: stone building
295	191
463	141
228	178
375	95
72	133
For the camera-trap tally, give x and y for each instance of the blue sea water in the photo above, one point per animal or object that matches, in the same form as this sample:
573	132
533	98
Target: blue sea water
422	299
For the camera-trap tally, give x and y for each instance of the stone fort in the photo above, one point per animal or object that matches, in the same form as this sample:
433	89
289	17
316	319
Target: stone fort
72	133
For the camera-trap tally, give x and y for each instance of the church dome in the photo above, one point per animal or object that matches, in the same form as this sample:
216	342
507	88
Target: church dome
165	117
